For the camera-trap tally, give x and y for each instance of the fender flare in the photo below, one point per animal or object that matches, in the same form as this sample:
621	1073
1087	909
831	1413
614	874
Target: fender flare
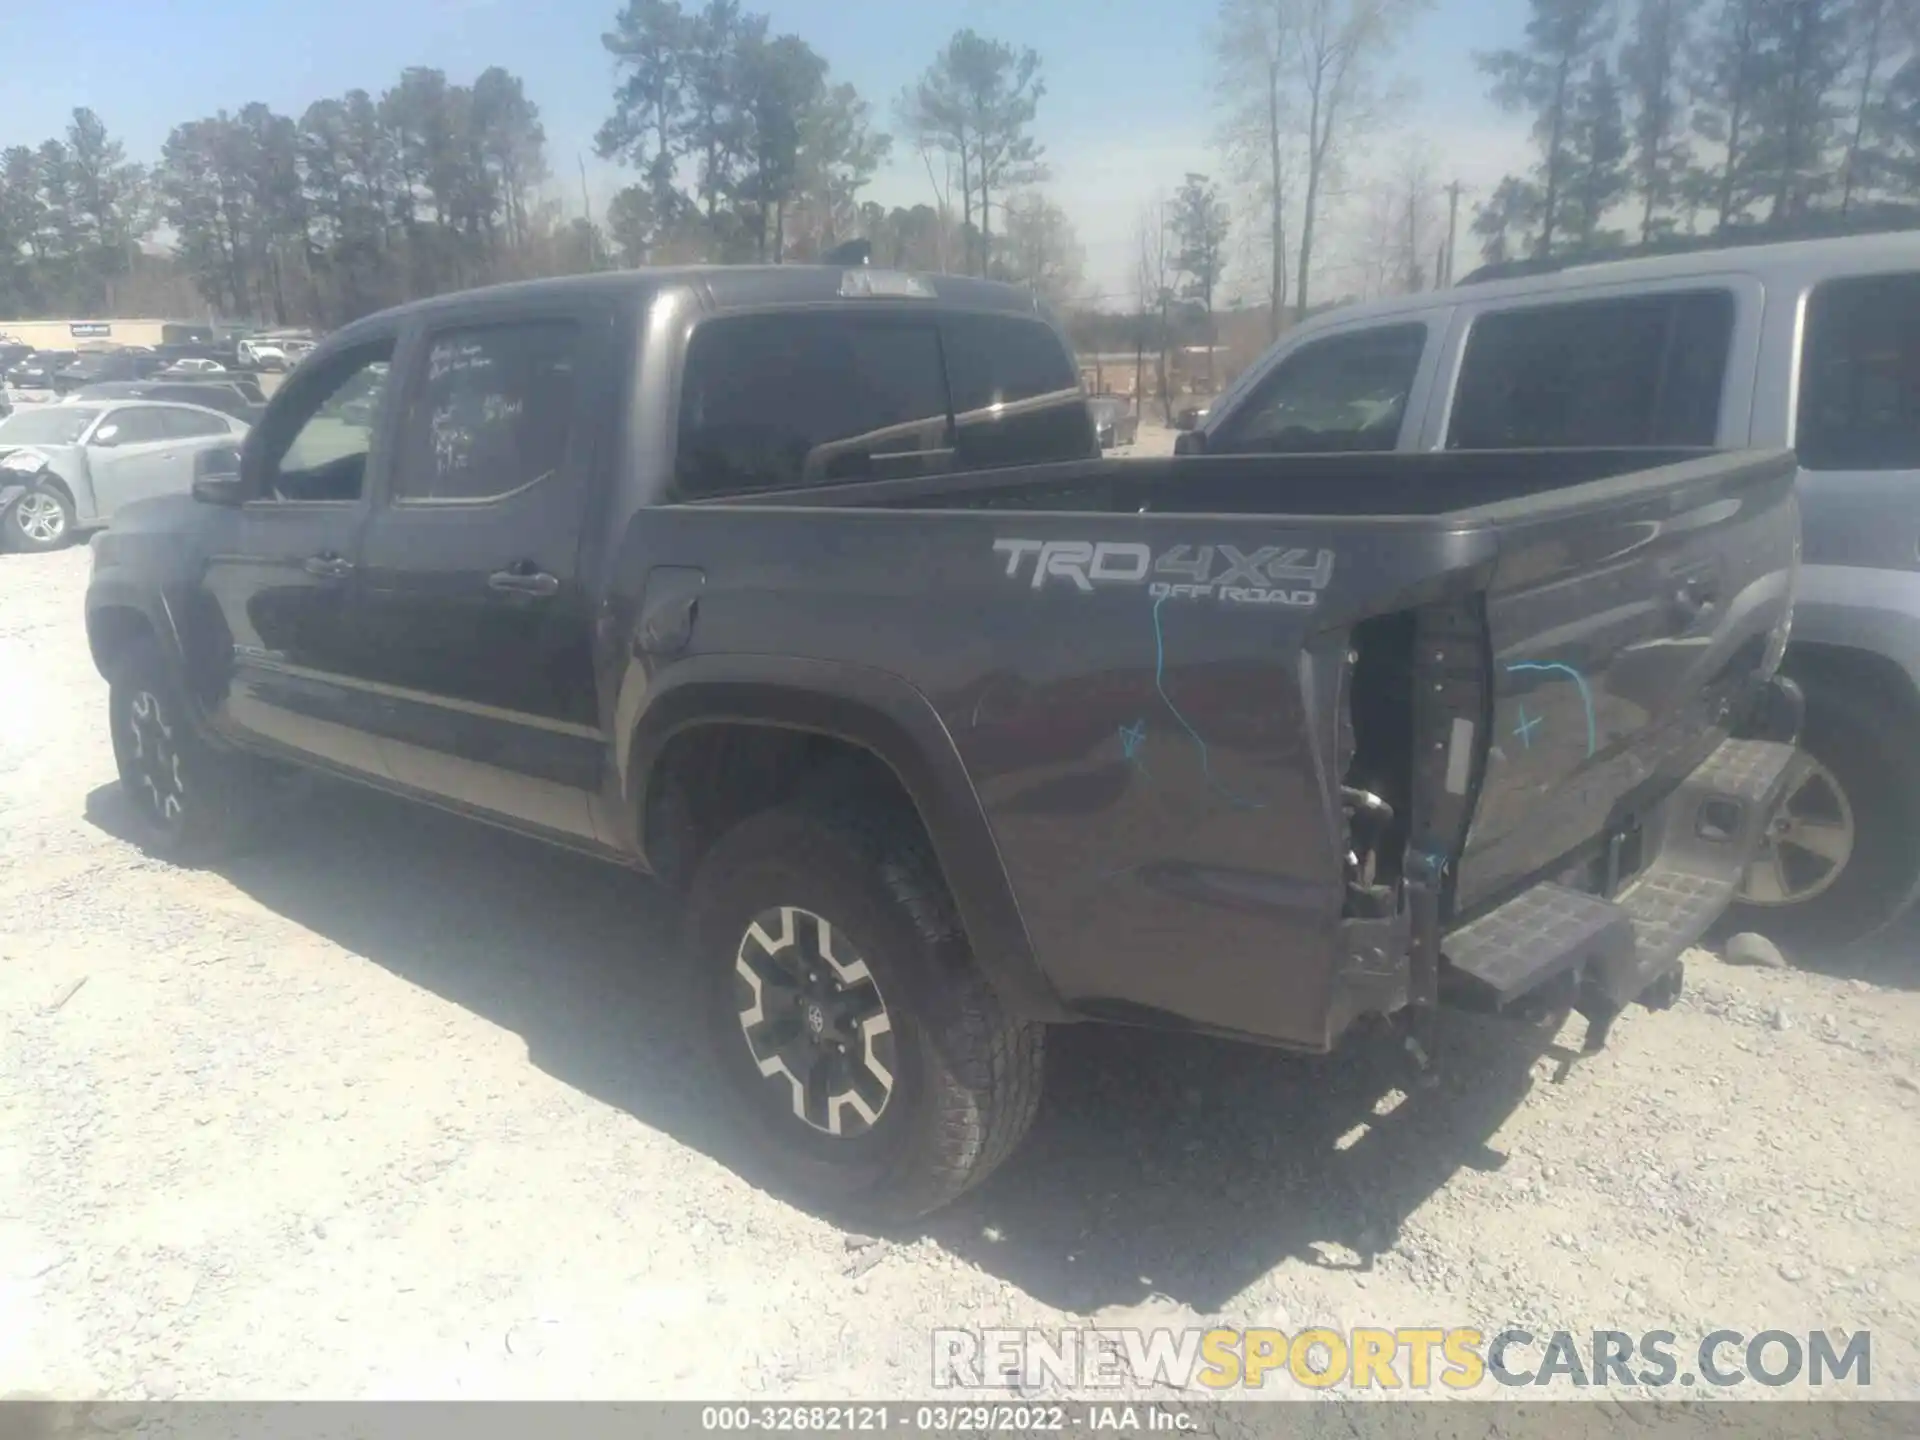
884	715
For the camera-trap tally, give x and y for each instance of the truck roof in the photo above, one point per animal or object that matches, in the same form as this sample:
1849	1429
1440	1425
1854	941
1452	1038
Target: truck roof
740	287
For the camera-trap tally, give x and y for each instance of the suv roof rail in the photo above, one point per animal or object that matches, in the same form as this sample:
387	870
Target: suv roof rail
1883	220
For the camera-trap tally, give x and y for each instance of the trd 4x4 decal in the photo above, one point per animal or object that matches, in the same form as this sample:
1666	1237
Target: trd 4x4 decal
1270	575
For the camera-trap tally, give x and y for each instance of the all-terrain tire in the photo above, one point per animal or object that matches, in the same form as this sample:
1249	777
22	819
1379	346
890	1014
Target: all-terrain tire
162	757
1873	759
965	1075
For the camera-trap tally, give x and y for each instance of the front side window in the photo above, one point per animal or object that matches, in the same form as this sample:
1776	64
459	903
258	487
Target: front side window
133	425
320	447
1860	375
1344	393
777	402
1641	370
492	412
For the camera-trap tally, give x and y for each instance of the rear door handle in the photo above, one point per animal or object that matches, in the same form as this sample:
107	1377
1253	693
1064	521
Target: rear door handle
329	567
523	582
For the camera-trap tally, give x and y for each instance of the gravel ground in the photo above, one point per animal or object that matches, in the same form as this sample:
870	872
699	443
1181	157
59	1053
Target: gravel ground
402	1106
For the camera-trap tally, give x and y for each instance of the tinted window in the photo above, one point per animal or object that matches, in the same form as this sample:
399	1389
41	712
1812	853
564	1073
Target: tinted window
1646	370
1860	375
1017	398
1347	392
186	424
320	442
779	401
135	425
492	412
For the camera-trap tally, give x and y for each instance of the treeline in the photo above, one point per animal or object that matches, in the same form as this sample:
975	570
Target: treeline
360	202
744	146
1656	119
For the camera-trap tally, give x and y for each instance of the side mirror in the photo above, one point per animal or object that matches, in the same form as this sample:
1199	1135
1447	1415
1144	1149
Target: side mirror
1190	442
217	479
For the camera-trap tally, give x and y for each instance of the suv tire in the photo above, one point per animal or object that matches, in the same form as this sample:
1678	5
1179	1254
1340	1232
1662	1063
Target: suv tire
871	1063
1850	839
190	801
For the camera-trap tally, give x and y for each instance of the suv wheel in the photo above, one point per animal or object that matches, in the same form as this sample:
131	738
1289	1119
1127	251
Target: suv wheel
1843	859
40	520
871	1062
188	799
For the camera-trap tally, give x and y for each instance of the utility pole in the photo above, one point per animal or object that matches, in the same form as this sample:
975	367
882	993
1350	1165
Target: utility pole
1453	222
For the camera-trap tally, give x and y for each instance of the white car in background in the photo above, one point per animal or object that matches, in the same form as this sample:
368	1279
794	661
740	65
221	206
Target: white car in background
262	355
72	465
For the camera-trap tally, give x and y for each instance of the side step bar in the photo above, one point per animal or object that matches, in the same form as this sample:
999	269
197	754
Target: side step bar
1706	832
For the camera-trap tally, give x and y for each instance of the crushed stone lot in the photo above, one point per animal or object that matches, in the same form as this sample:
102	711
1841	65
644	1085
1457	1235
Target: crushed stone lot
395	1105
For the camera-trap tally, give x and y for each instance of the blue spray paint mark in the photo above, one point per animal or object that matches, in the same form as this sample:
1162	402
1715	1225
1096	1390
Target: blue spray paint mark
1553	667
1133	739
1160	684
1526	727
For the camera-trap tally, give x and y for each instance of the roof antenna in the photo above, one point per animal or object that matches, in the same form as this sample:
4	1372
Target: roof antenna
851	252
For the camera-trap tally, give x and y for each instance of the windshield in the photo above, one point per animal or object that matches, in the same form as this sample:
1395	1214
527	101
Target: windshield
53	425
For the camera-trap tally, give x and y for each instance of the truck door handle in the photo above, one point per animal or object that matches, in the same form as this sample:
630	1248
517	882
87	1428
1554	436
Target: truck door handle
329	567
523	582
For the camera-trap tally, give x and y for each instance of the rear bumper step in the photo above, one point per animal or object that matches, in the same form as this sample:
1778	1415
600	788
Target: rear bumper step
1705	833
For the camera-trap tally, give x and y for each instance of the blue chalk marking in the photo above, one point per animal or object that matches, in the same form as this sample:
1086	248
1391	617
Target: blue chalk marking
1526	727
1553	667
1160	684
1133	739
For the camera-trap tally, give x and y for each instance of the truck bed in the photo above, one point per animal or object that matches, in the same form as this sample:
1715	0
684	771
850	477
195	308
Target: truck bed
1167	680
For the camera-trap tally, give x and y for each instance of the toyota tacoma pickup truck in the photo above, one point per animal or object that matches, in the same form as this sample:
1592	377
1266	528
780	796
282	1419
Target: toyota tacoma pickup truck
806	590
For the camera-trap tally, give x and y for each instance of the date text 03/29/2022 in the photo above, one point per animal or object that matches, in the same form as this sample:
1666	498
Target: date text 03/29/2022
963	1418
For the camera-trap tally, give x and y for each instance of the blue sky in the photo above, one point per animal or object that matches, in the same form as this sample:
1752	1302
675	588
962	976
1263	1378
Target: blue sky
1129	107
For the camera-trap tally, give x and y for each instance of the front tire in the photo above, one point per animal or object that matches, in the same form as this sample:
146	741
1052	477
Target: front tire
872	1065
190	801
1844	859
40	520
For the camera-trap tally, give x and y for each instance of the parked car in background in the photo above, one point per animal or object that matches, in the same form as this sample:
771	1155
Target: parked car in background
12	352
1813	345
105	365
71	466
297	350
36	370
193	365
224	398
261	355
1114	421
1190	418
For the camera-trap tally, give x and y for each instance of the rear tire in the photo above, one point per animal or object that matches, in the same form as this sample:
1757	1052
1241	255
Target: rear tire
894	1080
1846	860
190	801
40	521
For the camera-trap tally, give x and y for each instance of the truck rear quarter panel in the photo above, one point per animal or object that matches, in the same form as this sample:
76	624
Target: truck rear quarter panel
1147	729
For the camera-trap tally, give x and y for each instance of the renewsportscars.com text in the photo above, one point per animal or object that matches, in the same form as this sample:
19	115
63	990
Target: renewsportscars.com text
1408	1358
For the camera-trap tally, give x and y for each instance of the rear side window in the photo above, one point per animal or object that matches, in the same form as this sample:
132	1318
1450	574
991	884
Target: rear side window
1860	375
1016	392
190	424
1645	370
493	412
1344	393
777	402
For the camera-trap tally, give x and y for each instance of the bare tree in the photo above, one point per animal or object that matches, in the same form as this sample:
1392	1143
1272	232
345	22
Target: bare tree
1253	50
1337	47
1154	276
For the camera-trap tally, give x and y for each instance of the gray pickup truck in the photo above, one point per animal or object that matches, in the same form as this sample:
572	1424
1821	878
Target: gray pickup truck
807	591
